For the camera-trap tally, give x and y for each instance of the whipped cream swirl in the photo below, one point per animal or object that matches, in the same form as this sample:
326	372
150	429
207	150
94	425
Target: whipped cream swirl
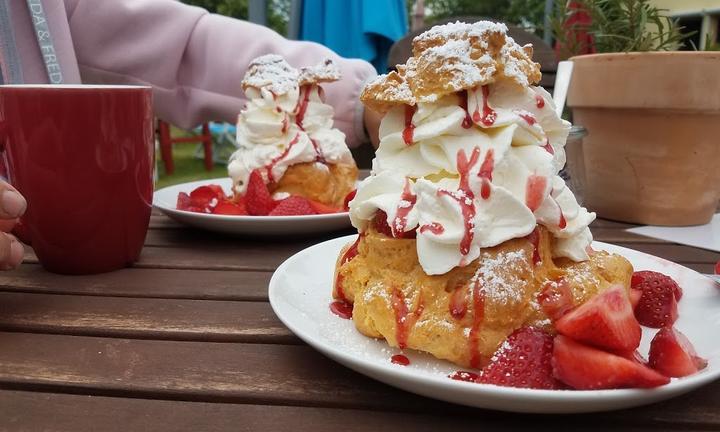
277	131
472	170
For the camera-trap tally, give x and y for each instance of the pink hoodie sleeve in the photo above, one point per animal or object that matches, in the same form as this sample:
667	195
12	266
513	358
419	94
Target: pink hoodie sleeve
195	61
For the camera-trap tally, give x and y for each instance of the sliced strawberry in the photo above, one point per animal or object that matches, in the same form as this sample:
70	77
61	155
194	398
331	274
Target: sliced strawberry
218	190
658	304
321	208
184	202
349	197
257	197
203	199
586	368
228	207
206	198
556	298
605	321
293	206
717	267
672	354
632	355
523	360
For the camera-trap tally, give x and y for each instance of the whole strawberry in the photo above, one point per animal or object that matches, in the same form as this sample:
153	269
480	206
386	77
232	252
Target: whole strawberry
658	303
523	360
258	201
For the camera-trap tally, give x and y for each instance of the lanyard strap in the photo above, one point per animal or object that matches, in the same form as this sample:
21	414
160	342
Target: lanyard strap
45	40
10	70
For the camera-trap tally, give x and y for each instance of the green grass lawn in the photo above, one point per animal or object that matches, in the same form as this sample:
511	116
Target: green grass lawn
187	167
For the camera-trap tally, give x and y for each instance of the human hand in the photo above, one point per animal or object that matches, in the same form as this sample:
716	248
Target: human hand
372	126
12	206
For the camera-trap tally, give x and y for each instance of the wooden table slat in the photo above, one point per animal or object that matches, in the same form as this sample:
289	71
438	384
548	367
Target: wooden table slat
59	412
236	255
204	371
199	320
143	283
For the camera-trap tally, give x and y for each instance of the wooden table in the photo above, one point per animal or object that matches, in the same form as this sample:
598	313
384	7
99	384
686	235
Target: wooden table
186	341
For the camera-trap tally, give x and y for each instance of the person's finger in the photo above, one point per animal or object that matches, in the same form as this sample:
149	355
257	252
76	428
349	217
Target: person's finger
12	204
11	252
7	225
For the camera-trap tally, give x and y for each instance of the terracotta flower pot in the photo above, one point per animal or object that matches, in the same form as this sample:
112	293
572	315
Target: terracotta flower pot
652	153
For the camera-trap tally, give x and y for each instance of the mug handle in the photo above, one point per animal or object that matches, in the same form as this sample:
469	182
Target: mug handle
20	231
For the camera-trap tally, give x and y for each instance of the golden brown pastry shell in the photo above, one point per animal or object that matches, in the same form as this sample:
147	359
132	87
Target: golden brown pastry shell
325	183
511	284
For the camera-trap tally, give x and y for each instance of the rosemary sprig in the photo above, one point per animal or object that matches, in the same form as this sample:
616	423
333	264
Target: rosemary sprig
617	26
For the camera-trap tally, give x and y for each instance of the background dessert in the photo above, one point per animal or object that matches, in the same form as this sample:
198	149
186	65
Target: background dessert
286	132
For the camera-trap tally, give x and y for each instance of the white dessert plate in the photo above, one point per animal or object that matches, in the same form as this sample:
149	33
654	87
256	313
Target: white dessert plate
300	297
165	200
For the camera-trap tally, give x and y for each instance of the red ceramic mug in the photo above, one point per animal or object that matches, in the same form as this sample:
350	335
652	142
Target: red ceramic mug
83	158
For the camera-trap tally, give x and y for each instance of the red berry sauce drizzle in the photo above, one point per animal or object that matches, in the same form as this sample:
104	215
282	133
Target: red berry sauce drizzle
404	319
408	200
488	116
528	117
563	223
478	295
464	376
458	309
535	190
467	121
269	167
534	238
400	359
539	102
301	109
458	303
342	307
409	126
435	228
485	173
285	124
548	147
465	196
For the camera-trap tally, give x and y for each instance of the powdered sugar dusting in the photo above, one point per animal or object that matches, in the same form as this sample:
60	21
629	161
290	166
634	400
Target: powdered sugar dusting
390	87
271	71
478	29
451	58
325	71
499	275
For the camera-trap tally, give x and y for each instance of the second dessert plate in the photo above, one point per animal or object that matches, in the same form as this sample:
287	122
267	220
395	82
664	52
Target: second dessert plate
165	200
301	299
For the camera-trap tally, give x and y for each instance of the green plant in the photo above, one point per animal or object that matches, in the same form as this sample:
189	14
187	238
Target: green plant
278	11
710	45
615	26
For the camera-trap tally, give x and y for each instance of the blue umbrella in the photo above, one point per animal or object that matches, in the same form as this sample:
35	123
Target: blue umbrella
363	29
